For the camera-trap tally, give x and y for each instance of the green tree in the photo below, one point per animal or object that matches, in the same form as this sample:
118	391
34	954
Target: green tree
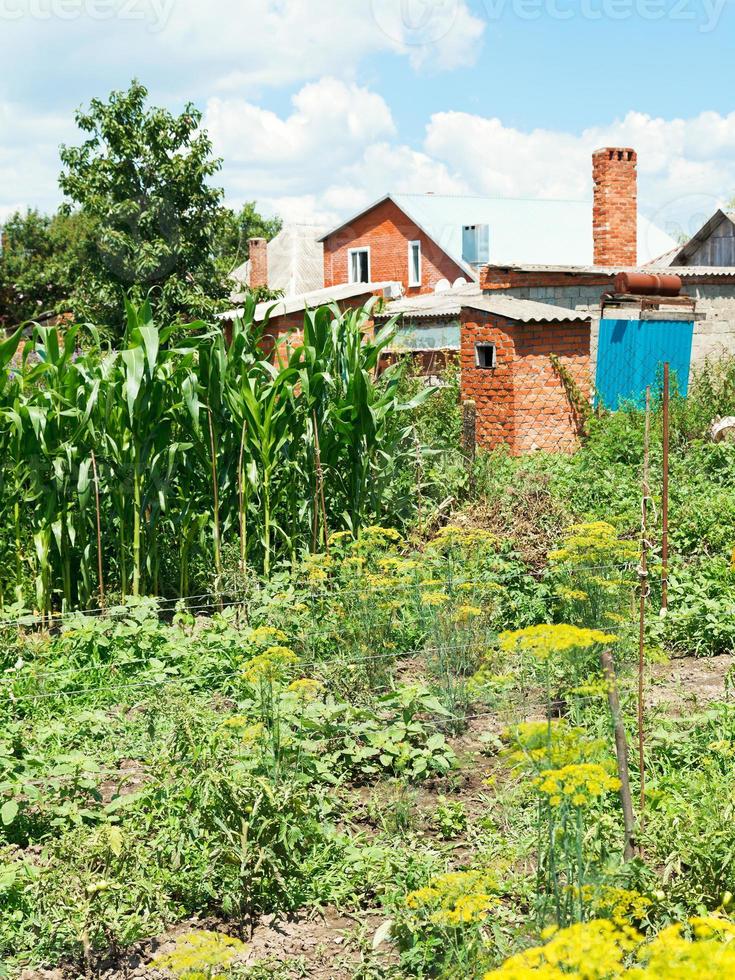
142	181
40	260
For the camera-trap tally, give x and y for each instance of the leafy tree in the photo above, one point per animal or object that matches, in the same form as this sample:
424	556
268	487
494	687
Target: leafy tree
40	260
141	180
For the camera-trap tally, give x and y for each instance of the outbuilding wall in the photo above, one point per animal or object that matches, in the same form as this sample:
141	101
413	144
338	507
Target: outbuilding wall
714	330
523	402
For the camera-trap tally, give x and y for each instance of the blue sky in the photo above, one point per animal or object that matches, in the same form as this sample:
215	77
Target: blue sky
319	106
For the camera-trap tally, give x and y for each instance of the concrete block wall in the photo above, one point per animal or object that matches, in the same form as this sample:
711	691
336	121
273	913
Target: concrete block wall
714	334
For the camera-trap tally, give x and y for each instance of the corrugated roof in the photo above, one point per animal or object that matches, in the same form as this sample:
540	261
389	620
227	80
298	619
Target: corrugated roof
452	301
314	298
443	304
521	230
685	271
295	262
523	310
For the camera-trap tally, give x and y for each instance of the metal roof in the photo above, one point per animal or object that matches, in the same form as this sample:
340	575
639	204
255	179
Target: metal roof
295	262
521	230
451	303
314	298
685	271
435	305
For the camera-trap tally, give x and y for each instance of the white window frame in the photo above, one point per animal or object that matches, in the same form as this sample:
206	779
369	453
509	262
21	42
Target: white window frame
411	281
355	251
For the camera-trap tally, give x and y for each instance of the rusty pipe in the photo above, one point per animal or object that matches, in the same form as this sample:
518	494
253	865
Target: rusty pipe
648	284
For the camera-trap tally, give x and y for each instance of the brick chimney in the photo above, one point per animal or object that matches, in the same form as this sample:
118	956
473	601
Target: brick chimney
615	206
258	252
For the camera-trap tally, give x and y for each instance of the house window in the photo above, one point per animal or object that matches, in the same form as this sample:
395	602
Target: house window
485	356
358	260
414	263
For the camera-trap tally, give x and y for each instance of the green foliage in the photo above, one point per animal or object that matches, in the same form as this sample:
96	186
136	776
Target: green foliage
141	179
40	261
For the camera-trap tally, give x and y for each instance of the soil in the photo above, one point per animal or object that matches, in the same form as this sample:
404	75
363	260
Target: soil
689	683
330	945
326	945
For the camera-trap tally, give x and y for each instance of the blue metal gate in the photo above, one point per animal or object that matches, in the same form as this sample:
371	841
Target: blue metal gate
631	354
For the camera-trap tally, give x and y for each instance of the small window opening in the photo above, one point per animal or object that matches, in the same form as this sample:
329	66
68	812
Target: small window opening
485	356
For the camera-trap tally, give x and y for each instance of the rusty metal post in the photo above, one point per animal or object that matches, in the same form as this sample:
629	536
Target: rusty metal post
643	588
621	751
665	497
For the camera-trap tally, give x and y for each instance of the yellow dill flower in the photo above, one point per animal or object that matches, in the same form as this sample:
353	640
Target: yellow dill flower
266	636
455	898
595	950
466	613
270	665
581	783
543	641
434	598
336	537
543	745
200	952
571	595
622	905
306	688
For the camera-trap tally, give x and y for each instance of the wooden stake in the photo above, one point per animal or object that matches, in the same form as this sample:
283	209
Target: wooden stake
643	588
665	497
621	751
320	484
100	579
241	498
215	491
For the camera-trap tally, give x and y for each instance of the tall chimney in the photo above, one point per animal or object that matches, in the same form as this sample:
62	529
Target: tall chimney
258	252
615	206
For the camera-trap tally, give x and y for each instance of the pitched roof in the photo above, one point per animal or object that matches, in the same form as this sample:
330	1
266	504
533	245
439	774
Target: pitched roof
295	262
316	297
688	248
521	230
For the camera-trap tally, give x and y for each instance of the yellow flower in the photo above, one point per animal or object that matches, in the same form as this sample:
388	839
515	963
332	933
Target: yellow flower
594	950
306	688
434	598
543	641
456	898
200	953
270	665
582	783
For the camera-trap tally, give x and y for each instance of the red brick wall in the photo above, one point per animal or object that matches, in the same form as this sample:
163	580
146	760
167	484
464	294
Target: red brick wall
387	230
615	206
522	402
285	332
258	254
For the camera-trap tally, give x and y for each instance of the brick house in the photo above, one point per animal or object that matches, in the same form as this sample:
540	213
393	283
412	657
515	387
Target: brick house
427	241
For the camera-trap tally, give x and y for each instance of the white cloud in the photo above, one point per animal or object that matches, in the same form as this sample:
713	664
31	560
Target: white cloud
334	155
29	157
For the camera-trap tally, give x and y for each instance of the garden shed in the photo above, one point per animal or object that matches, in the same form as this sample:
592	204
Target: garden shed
526	366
